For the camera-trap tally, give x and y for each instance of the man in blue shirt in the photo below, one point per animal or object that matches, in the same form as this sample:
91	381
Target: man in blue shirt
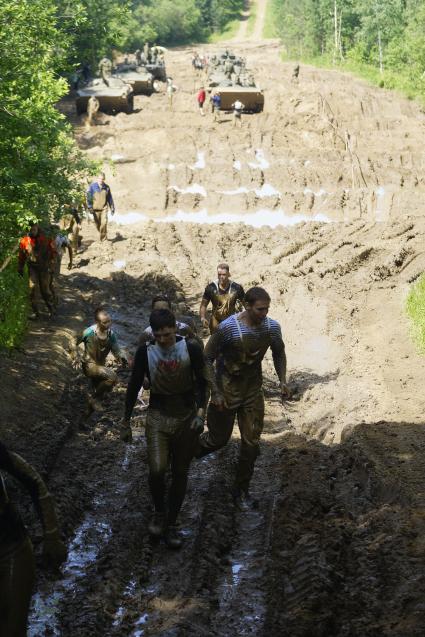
99	199
216	105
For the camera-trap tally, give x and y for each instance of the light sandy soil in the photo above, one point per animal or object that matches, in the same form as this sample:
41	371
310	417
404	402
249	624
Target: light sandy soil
336	546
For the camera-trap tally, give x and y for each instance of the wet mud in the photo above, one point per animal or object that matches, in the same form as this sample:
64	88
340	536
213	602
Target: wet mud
333	545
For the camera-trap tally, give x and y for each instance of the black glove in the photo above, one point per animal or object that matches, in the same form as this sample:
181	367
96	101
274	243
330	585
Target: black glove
197	424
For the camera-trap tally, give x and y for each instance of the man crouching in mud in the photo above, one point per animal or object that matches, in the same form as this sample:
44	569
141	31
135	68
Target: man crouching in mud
175	417
17	569
98	340
237	348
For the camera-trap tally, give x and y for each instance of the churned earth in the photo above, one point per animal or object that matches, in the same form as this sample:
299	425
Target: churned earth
320	200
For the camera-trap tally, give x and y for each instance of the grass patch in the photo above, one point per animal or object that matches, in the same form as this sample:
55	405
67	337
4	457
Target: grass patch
252	18
416	311
269	30
393	80
228	33
13	306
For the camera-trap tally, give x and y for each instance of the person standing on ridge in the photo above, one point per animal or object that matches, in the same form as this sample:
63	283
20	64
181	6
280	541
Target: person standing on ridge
175	370
226	297
17	567
237	349
99	199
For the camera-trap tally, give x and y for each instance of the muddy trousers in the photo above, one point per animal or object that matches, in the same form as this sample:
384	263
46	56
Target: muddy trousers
169	440
102	378
250	412
101	220
17	574
39	285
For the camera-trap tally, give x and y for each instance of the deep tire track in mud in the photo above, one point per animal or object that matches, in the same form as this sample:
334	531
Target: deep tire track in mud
335	547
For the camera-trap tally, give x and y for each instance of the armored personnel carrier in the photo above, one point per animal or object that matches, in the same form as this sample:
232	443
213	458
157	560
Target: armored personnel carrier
230	78
157	69
142	82
251	97
114	96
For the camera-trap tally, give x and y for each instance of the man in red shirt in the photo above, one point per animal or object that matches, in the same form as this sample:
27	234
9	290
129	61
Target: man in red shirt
39	253
201	97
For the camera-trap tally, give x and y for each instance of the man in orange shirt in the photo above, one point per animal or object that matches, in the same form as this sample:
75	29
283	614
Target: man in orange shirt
39	253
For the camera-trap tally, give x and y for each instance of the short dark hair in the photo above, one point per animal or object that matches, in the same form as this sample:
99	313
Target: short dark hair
161	318
256	294
99	310
161	297
223	266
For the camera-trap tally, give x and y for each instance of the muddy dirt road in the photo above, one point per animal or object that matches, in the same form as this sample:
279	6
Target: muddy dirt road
335	547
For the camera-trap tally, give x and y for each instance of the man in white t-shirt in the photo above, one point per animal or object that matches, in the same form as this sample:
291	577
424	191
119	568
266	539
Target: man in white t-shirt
237	112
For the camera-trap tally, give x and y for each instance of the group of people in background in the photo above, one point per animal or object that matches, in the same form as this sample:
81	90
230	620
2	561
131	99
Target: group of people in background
41	250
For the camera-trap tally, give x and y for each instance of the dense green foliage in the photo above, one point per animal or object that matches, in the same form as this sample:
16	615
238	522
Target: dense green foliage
39	161
98	26
386	35
416	311
40	165
179	21
13	306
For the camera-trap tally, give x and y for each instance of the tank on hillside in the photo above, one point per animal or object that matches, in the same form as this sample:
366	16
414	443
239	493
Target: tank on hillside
251	97
114	96
142	82
157	69
218	78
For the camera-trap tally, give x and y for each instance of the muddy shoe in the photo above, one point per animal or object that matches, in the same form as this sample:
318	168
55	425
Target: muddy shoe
243	500
173	538
156	525
34	316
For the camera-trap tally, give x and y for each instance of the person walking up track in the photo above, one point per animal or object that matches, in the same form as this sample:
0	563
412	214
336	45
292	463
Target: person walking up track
39	253
99	199
224	295
99	340
178	394
237	349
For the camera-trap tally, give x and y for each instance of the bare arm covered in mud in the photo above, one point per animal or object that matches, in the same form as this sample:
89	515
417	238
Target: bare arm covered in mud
200	375
18	468
140	370
211	353
279	360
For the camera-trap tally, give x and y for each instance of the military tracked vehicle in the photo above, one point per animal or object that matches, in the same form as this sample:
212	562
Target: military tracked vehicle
157	69
142	82
114	96
251	97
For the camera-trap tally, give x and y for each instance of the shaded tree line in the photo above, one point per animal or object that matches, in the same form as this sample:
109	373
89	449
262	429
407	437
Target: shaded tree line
388	35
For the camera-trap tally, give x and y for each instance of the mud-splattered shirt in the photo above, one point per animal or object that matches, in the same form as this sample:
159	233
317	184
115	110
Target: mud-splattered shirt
238	350
223	301
12	529
97	349
176	375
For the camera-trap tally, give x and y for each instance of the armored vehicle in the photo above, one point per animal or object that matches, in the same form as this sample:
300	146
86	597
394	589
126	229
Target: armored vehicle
251	97
158	71
141	80
114	96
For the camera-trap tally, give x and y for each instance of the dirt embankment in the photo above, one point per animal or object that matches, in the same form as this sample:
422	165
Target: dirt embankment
336	544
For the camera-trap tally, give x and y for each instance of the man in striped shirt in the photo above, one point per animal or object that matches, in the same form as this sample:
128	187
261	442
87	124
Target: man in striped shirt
237	349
